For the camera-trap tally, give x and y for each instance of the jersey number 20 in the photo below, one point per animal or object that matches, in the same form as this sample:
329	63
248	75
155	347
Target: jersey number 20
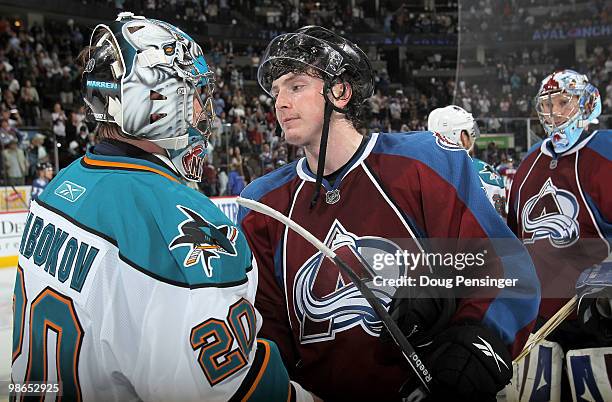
50	311
215	339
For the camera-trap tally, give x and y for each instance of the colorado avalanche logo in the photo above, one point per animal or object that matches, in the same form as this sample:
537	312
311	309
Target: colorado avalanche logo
205	240
552	84
444	143
552	215
322	314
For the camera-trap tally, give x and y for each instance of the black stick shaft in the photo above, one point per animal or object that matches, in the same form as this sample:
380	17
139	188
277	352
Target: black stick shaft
397	335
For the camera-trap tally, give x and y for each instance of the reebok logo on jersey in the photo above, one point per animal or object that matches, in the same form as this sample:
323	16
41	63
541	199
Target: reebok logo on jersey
70	191
205	240
487	349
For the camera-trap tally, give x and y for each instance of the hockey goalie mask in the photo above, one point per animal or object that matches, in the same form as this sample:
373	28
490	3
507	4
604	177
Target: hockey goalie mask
151	79
566	103
450	121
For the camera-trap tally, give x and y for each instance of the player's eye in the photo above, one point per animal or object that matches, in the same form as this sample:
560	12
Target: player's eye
297	87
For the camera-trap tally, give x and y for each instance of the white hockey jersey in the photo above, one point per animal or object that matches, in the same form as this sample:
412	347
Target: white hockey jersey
131	286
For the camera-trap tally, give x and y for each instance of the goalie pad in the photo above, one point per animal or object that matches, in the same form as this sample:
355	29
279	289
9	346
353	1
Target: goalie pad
537	377
589	372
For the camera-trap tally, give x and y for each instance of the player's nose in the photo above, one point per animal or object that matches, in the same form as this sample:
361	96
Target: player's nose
282	100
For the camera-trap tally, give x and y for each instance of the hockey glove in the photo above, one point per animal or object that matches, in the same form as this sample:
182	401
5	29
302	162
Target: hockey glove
594	291
468	363
421	312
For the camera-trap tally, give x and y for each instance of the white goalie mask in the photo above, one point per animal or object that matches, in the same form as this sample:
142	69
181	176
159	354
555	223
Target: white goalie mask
151	79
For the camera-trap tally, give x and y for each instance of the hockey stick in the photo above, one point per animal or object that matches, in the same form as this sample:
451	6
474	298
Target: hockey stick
398	337
547	328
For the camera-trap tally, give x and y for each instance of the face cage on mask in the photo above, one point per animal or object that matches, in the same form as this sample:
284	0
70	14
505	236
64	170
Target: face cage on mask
189	160
548	119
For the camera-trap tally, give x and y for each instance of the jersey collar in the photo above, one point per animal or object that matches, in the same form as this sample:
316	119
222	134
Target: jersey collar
547	149
113	162
305	174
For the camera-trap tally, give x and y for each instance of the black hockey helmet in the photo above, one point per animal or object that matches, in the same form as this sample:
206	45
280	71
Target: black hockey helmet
336	59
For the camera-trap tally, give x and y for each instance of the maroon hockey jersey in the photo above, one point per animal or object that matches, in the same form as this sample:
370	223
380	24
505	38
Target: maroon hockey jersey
399	186
561	208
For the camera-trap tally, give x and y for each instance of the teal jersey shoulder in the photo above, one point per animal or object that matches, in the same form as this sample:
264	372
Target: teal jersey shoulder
161	227
487	173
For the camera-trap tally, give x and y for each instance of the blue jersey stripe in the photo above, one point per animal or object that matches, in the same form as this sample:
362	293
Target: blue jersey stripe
513	308
604	226
602	143
266	184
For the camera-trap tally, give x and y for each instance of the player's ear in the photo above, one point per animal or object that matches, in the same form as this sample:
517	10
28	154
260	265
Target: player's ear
465	139
341	94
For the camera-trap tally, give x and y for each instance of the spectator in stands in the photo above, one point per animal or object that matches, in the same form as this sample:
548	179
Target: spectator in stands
12	115
44	172
218	103
235	180
7	132
82	139
209	185
15	164
58	117
30	101
36	153
66	88
266	155
223	180
395	112
92	141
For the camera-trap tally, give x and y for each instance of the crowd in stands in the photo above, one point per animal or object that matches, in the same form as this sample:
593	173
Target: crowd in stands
40	85
507	20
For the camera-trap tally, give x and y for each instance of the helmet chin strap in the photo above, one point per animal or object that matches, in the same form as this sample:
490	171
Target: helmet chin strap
329	108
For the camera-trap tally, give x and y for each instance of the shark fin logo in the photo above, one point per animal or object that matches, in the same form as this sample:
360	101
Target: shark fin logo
205	240
551	214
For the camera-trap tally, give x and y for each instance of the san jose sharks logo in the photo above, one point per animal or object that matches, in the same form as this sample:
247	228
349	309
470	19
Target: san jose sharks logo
489	175
551	214
327	302
205	240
